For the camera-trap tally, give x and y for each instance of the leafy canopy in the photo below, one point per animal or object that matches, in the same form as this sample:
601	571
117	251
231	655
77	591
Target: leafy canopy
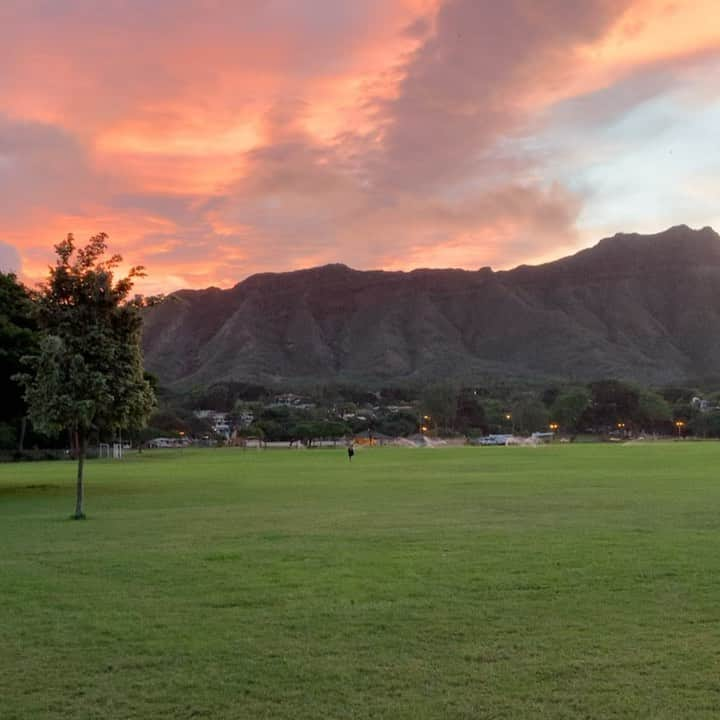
89	371
18	337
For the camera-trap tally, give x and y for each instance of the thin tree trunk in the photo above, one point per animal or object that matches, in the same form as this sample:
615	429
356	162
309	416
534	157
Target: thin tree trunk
79	489
23	428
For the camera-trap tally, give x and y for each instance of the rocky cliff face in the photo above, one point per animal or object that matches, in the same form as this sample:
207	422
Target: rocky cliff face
637	307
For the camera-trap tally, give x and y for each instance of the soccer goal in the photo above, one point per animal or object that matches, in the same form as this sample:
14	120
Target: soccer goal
107	450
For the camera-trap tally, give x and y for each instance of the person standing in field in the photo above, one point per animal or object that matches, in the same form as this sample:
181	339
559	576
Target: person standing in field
351	451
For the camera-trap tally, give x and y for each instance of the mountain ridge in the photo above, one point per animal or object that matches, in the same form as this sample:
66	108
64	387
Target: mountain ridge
642	307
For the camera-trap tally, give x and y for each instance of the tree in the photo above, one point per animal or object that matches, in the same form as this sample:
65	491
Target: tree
529	415
550	395
654	412
613	402
244	412
469	415
278	422
174	421
706	424
439	402
222	396
88	373
569	407
18	337
498	418
308	430
675	395
396	424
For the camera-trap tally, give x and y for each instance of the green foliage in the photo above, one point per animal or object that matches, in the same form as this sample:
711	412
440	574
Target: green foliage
675	395
654	411
496	415
530	415
223	396
253	430
684	411
569	407
331	429
278	422
64	390
706	424
18	337
272	430
358	425
613	402
247	406
397	424
439	401
469	413
310	430
8	436
173	421
282	423
550	395
395	395
88	371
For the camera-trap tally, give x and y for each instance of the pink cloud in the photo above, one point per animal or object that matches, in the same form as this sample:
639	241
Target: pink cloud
213	139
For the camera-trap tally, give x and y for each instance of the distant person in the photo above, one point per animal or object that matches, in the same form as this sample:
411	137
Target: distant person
351	452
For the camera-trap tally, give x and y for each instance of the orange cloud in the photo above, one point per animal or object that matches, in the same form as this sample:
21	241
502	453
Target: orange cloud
213	140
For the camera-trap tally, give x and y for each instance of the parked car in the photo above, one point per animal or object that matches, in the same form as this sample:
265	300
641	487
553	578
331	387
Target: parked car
492	440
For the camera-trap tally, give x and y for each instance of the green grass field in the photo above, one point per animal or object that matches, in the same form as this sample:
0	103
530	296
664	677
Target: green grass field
558	582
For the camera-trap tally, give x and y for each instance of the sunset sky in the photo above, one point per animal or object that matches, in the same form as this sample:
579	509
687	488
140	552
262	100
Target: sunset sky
214	139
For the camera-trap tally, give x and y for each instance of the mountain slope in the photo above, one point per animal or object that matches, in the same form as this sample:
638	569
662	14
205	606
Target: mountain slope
633	306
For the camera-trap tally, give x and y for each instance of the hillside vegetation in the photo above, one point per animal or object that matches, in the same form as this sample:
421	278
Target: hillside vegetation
643	308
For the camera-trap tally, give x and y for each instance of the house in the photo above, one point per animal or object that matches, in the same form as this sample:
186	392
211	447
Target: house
703	405
245	418
292	400
219	421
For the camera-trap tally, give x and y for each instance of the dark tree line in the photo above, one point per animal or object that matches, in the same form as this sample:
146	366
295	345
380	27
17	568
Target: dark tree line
19	337
601	407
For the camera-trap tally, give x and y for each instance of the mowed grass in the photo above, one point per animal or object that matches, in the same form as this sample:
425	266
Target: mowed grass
559	582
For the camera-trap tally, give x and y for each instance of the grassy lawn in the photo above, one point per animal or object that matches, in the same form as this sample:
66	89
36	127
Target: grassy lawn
559	582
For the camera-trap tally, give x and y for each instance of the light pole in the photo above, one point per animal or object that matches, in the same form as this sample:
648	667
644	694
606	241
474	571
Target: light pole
679	424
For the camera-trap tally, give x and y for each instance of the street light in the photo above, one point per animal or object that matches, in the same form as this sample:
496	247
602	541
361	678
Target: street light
554	426
679	424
